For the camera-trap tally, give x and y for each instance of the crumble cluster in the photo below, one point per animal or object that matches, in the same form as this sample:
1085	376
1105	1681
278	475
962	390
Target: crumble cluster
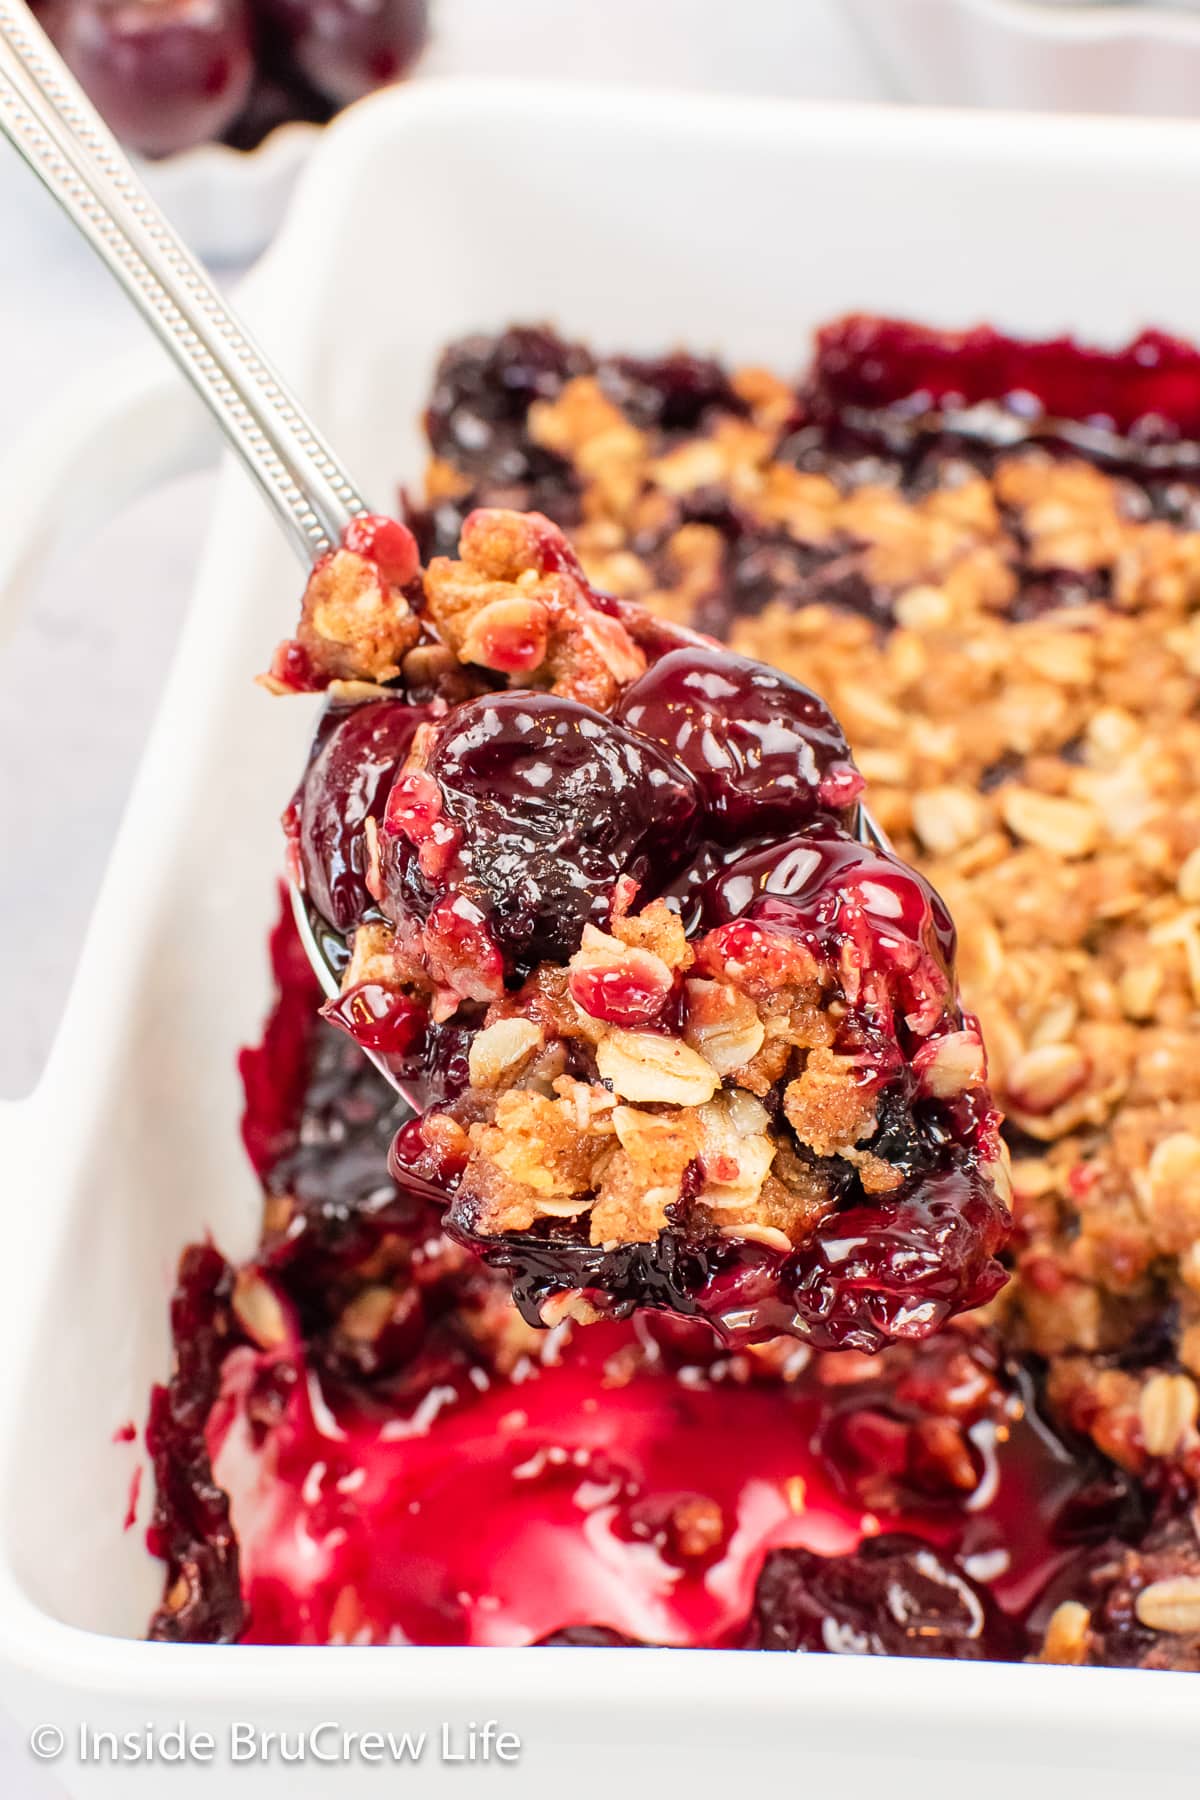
624	1148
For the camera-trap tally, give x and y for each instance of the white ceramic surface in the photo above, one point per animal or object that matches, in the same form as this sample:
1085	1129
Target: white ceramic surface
1025	53
731	225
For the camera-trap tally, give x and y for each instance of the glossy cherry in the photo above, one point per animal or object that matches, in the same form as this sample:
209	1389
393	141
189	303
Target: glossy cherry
764	751
893	1596
347	780
530	809
841	897
902	1267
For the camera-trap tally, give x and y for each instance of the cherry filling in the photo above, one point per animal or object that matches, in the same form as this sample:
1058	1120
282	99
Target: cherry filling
693	1511
531	810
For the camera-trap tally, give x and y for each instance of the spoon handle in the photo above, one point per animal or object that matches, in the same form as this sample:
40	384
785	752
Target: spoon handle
48	118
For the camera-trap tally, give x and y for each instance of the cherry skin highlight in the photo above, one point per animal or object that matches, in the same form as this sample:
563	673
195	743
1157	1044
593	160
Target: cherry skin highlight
532	808
347	781
764	751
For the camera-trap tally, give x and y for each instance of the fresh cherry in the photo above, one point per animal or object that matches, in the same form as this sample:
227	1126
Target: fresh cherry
347	48
765	752
166	74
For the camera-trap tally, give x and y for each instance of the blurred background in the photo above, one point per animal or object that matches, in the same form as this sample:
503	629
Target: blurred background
225	100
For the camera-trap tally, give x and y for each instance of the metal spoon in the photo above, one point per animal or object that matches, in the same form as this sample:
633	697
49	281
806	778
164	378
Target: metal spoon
48	118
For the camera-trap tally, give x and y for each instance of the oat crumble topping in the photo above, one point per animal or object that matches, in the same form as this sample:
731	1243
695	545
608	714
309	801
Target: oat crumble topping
1011	639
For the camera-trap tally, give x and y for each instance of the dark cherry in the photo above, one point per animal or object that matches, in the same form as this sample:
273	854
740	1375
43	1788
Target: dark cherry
824	867
429	1060
423	1167
482	391
826	887
166	74
893	1596
347	48
477	420
670	393
846	902
901	1267
348	779
765	752
530	809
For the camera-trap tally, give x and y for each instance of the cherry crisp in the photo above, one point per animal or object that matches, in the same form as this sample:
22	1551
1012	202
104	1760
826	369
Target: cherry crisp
679	1039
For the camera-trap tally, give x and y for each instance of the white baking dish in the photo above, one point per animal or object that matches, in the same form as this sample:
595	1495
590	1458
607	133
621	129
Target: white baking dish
637	221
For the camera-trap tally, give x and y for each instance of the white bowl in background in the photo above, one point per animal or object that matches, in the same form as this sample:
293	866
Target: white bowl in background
1054	57
638	221
226	204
